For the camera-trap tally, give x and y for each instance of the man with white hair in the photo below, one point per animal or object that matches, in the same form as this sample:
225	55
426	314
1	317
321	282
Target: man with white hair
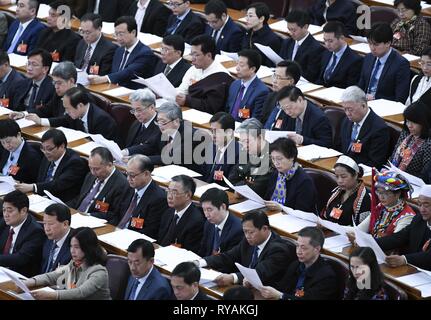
364	135
415	238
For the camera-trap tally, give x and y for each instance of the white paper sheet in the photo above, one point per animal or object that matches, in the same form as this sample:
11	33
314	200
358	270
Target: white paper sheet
4	111
43	11
411	57
20	284
53	65
336	242
307	86
383	107
288	223
197	116
367	169
342	230
425	290
332	94
359	38
160	85
415	279
53	198
361	47
246	206
269	53
111	146
208	276
170	256
308	216
71	135
80	220
24	123
281	26
245	191
38	203
123	238
118	92
86	148
313	152
251	276
220	58
271	136
7	184
233	55
108	27
149	39
319	37
17	60
366	240
82	77
165	173
200	190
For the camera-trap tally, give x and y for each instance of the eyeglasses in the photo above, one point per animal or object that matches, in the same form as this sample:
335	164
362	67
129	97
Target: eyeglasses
383	193
161	124
175	4
139	110
166	50
277	77
45	149
133	175
32	64
58	83
120	34
174	193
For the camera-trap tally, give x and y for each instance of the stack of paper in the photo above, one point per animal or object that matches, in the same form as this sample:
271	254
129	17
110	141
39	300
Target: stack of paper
208	276
24	123
43	11
411	57
108	27
170	256
197	116
17	279
329	94
271	136
366	240
220	58
336	243
111	146
54	198
82	77
246	206
361	47
80	220
4	111
269	53
289	223
306	86
17	60
123	238
359	38
165	173
319	37
281	26
7	184
313	152
160	85
149	39
38	203
71	135
200	190
86	148
118	92
420	280
383	107
251	275
232	55
245	191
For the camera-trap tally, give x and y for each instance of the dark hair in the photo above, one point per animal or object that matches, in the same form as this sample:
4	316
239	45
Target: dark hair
89	244
189	185
225	120
301	18
254	58
188	271
146	247
9	128
217	7
216	196
78	95
129	21
145	164
315	234
46	56
207	44
285	146
380	33
291	92
414	5
335	27
96	19
293	69
57	136
57	3
418	112
4	57
176	41
426	52
368	256
18	199
262	10
65	70
60	211
103	153
350	170
258	217
238	293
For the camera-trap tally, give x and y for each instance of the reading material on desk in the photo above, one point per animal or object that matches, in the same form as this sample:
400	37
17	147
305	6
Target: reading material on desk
149	39
332	94
208	276
411	57
271	136
246	206
288	223
165	173
281	26
118	92
314	152
269	53
383	107
197	116
38	203
86	148
4	111
200	190
108	27
359	39
24	123
111	146
367	170
43	11
16	278
71	135
82	76
420	281
232	55
361	47
223	58
160	85
306	86
7	184
80	220
366	240
123	238
170	256
251	275
17	60
54	198
245	191
336	243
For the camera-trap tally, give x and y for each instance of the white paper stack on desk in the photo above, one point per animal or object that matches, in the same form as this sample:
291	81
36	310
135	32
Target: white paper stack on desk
170	256
38	203
420	280
383	107
71	135
165	173
80	220
332	94
123	238
313	152
7	184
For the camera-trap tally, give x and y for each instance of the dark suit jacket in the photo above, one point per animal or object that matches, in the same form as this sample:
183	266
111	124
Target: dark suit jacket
301	192
316	128
110	10
146	143
201	296
319	282
187	232
156	287
230	38
346	72
151	208
230	159
44	94
394	81
190	27
28	37
308	56
63	256
101	56
210	93
253	99
28	163
175	76
68	177
374	136
271	265
155	18
112	193
140	63
26	254
230	236
412	238
268	108
9	88
63	41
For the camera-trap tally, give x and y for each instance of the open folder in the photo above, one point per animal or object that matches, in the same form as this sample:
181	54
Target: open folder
160	85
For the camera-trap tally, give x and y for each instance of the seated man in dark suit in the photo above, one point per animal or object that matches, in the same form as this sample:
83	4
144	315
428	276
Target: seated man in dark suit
226	33
144	135
61	171
21	236
17	158
310	277
205	85
339	10
340	66
248	93
24	32
364	135
182	224
304	117
10	82
185	282
132	59
258	30
109	10
144	203
145	280
183	21
56	249
57	39
94	52
222	230
103	187
414	240
385	73
302	47
172	63
260	249
151	16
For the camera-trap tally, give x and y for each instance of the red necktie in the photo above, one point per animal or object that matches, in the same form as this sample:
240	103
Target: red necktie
426	245
8	244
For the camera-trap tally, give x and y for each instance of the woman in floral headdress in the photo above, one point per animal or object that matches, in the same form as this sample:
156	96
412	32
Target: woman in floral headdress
412	33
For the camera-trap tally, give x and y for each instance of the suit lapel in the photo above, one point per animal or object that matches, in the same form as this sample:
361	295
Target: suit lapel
385	69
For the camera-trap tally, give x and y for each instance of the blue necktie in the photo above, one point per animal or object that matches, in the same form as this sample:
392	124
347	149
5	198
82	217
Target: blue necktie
123	61
49	173
254	258
354	134
331	68
16	39
372	87
173	27
83	207
51	257
133	291
216	242
237	104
